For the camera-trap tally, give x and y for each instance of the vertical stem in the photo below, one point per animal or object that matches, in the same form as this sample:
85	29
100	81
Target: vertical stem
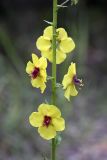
54	51
54	68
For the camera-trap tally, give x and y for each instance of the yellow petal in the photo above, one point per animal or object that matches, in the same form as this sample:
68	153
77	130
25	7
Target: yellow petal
60	57
29	67
42	87
72	69
37	82
49	110
66	81
58	123
48	33
43	74
34	59
36	119
42	63
73	91
47	132
62	34
43	44
67	45
68	93
47	54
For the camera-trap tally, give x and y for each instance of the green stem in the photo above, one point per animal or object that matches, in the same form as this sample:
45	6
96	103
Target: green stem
54	68
53	149
54	51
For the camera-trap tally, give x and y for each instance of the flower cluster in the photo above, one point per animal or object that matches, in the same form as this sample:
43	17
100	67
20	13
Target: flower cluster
48	118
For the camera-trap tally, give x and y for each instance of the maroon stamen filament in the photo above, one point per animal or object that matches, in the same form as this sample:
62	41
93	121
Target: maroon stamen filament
35	72
47	121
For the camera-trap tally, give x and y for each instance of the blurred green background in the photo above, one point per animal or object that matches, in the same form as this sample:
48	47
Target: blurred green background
85	137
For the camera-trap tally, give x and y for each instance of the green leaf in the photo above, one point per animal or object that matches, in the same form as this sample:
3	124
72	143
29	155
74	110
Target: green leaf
50	23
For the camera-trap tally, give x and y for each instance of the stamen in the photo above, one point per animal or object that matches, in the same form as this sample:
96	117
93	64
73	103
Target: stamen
47	121
35	72
77	81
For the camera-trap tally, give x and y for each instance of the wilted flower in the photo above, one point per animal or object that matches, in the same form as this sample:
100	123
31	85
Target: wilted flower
70	82
64	44
37	72
48	120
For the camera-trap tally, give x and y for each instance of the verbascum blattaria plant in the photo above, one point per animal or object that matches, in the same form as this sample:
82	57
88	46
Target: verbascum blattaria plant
54	45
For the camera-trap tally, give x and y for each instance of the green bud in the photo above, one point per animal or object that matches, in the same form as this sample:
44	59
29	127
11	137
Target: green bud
58	139
74	2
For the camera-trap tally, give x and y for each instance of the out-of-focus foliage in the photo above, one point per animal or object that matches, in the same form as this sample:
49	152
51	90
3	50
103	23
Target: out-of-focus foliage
85	137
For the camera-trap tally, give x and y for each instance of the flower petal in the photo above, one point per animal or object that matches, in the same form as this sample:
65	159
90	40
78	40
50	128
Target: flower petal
37	82
34	59
72	69
43	74
47	54
60	57
49	110
29	67
36	119
62	34
43	63
66	81
43	44
68	92
58	123
48	33
47	132
42	87
73	92
67	45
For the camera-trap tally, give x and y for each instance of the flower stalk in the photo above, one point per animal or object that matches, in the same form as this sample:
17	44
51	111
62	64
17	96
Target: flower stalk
54	51
55	10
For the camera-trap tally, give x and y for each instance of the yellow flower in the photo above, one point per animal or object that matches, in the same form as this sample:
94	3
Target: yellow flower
69	82
37	71
48	120
64	44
